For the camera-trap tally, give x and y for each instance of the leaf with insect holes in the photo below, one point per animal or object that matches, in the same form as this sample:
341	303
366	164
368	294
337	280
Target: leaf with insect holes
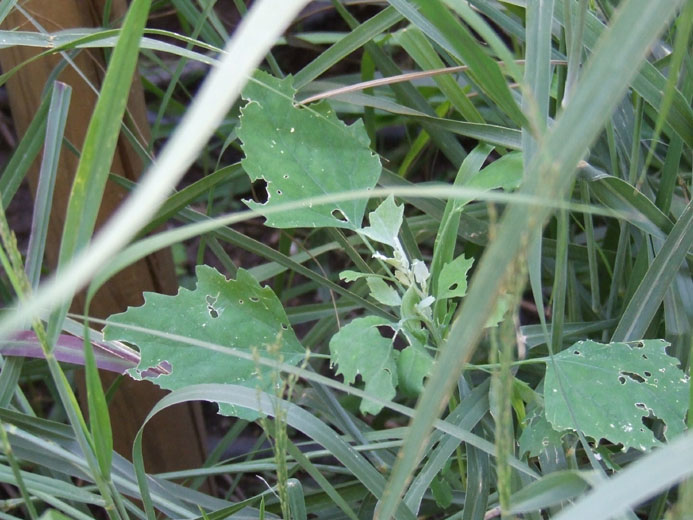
359	349
385	222
613	389
238	315
452	282
302	153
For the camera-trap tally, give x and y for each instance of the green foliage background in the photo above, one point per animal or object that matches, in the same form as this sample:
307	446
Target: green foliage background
525	170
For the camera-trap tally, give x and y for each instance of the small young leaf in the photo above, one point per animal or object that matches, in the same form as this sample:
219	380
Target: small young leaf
538	434
505	173
413	365
409	311
442	492
612	389
421	273
359	349
383	292
238	314
303	152
351	276
452	282
385	222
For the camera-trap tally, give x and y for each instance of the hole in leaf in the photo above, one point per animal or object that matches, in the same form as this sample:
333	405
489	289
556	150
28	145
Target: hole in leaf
647	373
398	340
254	299
644	356
386	331
259	191
241	302
632	375
622	380
656	426
642	406
285	326
339	215
285	176
279	192
454	286
577	352
212	312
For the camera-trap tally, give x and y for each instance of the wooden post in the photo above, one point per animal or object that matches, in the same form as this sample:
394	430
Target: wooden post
175	438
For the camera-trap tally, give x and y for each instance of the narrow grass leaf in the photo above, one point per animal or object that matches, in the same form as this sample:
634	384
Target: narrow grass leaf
102	135
621	196
297	501
421	50
55	127
25	153
550	491
649	295
203	224
359	36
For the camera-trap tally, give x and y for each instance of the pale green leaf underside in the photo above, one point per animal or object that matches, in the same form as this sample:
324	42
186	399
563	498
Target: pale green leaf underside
383	292
238	314
302	153
359	349
385	222
611	388
352	276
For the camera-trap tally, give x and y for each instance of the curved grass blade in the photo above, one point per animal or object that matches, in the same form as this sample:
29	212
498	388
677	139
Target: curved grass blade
266	404
55	128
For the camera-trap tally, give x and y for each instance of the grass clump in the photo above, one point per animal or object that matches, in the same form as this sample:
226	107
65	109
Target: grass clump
475	216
